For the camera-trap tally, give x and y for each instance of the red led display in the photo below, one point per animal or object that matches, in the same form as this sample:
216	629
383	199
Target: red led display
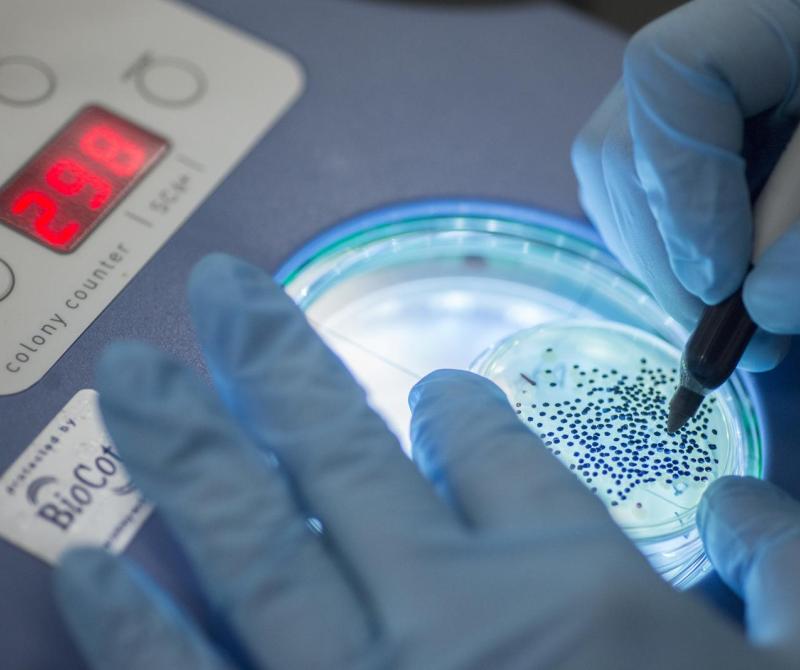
78	177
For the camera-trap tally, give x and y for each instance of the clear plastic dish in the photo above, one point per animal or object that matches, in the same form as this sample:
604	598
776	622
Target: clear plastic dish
398	299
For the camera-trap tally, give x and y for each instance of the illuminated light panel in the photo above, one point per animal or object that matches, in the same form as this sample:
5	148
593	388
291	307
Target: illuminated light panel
529	277
72	183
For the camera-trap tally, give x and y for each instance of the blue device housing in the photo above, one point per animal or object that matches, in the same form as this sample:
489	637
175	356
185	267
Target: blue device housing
404	102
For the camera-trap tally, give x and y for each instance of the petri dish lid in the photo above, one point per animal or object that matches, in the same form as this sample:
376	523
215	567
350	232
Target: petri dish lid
409	290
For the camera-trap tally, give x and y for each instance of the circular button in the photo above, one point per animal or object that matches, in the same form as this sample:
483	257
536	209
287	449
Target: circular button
171	82
25	81
6	280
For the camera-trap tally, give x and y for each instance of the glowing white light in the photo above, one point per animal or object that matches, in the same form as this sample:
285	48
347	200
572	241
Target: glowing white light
454	301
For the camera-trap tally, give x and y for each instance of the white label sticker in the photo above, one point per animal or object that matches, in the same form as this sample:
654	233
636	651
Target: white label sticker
69	488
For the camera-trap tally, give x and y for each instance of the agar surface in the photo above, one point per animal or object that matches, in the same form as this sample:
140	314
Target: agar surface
609	427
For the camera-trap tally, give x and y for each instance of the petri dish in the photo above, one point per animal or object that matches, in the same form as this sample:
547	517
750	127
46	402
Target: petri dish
405	291
597	394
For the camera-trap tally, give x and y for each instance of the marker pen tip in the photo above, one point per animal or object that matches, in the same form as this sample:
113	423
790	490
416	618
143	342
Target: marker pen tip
682	407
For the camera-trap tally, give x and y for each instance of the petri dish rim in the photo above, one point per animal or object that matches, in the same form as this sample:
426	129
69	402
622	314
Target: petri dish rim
517	221
653	531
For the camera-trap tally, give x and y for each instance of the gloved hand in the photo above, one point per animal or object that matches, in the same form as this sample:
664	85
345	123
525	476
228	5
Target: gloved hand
667	164
500	559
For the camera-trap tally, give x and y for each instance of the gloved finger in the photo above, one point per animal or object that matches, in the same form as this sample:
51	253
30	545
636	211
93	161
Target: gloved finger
232	510
689	95
587	162
122	620
772	289
751	530
467	438
614	199
765	351
639	232
637	226
294	396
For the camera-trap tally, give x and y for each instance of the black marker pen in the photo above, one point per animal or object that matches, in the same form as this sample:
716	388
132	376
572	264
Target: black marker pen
718	342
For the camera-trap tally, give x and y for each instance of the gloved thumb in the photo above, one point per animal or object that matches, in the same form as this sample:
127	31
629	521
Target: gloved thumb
751	531
770	290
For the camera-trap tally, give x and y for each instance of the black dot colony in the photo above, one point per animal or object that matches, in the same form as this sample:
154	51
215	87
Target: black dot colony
609	427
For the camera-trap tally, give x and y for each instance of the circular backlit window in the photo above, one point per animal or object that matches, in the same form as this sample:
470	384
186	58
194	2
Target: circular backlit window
586	356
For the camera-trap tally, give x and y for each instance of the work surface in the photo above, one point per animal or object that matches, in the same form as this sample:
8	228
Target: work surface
401	103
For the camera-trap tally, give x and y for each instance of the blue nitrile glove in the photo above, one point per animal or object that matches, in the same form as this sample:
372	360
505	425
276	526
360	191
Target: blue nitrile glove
708	99
751	530
501	558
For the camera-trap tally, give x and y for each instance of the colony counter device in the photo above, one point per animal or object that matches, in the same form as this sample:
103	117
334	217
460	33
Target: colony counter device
391	163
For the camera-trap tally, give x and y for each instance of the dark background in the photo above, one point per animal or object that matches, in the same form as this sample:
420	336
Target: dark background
629	15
